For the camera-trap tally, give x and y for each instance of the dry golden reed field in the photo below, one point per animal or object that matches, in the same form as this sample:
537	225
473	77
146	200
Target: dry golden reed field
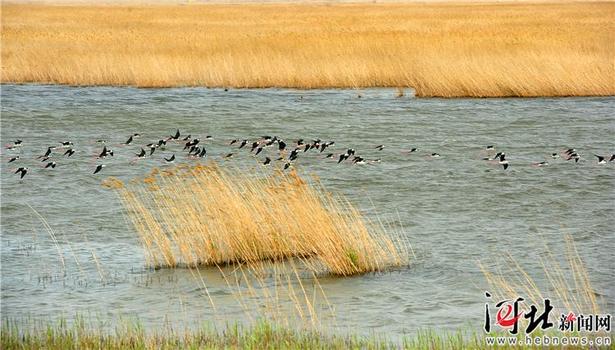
440	49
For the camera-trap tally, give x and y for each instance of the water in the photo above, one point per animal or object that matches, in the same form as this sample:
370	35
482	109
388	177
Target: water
455	210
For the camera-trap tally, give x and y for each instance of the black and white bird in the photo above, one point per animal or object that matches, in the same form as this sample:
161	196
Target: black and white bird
23	171
171	159
573	155
503	162
191	143
243	143
358	160
99	168
267	161
380	147
141	154
69	152
13	159
66	144
601	159
15	144
293	155
51	165
47	153
105	152
129	141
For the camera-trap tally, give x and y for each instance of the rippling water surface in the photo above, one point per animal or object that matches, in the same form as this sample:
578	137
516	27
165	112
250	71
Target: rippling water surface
455	210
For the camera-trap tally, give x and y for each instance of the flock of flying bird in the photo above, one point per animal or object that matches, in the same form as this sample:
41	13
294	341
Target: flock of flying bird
287	152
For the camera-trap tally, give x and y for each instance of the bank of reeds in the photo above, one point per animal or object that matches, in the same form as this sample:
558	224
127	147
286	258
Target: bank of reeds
439	49
206	215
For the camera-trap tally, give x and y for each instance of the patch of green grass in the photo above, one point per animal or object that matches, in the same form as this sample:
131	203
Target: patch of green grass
263	335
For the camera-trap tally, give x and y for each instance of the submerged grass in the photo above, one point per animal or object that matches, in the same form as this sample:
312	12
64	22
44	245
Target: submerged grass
205	215
568	287
439	49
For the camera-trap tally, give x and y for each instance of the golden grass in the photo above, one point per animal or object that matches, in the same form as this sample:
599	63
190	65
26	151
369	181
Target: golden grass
442	49
569	286
204	215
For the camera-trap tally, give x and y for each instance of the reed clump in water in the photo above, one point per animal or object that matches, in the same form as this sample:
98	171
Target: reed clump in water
442	49
204	215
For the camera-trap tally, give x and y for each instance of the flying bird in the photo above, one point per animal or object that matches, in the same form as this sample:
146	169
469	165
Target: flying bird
99	168
16	143
171	159
23	172
601	159
47	153
503	161
105	152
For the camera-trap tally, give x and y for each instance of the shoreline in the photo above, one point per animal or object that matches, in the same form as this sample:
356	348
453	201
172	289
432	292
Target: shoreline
393	89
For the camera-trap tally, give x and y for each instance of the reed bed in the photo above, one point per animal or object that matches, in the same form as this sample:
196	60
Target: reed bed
439	49
205	215
568	284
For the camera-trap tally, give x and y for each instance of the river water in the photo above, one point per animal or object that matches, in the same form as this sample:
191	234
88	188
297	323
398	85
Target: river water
455	210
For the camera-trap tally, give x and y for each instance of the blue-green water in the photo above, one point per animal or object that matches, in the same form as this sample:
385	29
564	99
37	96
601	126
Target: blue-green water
455	210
